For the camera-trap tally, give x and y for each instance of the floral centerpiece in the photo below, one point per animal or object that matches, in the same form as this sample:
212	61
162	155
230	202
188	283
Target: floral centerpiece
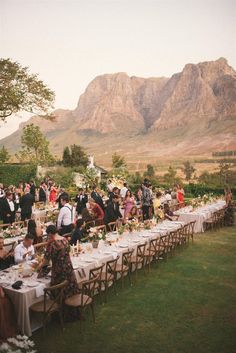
147	224
13	231
132	225
95	235
18	344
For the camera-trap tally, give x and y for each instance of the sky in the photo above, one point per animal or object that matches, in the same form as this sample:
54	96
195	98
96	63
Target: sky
70	42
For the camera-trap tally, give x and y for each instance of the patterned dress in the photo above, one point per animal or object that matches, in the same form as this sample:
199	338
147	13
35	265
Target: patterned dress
58	252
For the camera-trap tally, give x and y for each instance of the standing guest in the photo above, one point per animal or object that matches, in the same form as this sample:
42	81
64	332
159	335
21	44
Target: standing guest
8	208
26	203
36	231
81	200
139	196
33	189
110	187
65	217
123	191
58	251
78	232
157	202
86	215
180	195
97	211
25	250
43	192
60	195
2	192
128	203
115	191
146	200
6	257
53	193
174	200
112	212
97	197
229	211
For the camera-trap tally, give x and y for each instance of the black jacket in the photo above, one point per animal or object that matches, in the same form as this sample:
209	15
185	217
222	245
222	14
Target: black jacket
112	212
26	203
81	203
5	210
42	195
98	199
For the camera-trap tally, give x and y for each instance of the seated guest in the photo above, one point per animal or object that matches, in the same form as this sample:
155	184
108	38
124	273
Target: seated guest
36	231
65	217
97	211
25	250
78	233
112	212
134	213
168	213
97	197
6	257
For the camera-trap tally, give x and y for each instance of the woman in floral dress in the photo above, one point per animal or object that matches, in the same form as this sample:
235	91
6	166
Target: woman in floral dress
128	203
57	251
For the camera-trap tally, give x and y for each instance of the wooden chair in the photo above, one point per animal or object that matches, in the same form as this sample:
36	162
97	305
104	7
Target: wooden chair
138	260
112	226
52	302
102	228
4	226
108	278
151	252
211	223
124	269
94	273
191	229
40	247
84	299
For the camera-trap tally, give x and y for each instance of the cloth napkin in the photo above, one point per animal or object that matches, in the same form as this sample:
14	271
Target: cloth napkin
39	290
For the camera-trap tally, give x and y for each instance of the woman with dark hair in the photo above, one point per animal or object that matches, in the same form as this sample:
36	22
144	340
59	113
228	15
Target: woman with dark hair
229	212
36	231
128	203
58	251
134	213
168	213
79	232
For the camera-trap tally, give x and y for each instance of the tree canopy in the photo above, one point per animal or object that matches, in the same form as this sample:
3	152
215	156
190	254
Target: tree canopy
35	146
22	91
4	155
188	170
74	156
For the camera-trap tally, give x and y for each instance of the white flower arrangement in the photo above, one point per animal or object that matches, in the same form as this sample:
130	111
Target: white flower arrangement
18	344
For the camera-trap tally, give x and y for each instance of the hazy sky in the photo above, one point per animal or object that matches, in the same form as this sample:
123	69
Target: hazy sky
69	42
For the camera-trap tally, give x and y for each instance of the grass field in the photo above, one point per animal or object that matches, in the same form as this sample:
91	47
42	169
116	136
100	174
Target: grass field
187	304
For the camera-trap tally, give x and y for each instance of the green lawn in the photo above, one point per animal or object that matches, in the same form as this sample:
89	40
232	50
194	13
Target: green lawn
187	304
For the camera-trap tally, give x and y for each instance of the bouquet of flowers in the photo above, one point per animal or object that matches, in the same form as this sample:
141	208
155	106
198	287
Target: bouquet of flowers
132	225
147	224
13	231
18	344
96	234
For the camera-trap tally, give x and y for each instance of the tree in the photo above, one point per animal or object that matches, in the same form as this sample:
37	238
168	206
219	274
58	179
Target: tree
75	156
118	161
224	172
171	176
22	91
150	172
188	170
4	155
35	147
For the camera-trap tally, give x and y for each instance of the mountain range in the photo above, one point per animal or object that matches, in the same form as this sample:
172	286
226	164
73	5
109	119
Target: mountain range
192	113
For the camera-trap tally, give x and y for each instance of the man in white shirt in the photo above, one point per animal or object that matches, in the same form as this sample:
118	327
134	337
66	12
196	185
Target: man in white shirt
65	218
123	191
25	250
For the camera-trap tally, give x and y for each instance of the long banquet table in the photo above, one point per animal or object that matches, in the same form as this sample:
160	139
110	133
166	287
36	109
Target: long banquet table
32	289
200	215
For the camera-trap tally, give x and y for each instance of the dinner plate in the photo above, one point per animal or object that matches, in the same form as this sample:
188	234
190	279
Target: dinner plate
123	245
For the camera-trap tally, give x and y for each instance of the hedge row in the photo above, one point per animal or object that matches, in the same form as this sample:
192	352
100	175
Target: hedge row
11	174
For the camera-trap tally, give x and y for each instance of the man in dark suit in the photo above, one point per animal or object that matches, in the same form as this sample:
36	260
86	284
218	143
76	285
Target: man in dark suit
42	192
81	200
8	208
32	189
97	198
26	203
112	212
